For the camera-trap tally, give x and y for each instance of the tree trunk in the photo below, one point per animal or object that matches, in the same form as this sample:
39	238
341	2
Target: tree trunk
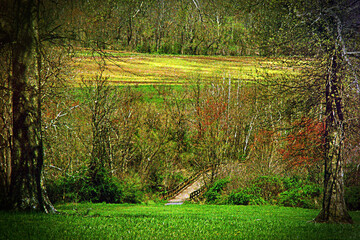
26	191
333	206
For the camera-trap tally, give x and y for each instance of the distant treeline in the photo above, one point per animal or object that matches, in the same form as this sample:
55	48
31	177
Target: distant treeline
179	27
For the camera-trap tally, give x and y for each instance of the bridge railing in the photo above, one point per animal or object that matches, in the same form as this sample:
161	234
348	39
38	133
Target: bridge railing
197	194
173	192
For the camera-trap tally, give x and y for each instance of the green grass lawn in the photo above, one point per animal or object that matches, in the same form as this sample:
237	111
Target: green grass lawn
188	221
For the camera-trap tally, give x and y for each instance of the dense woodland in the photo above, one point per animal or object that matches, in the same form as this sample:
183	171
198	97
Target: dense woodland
287	139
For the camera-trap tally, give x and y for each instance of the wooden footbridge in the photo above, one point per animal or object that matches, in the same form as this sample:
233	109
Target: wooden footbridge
191	189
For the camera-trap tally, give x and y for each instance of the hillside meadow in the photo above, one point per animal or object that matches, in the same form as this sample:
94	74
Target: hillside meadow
154	69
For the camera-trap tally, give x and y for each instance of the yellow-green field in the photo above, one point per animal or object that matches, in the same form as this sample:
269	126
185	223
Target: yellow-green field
139	68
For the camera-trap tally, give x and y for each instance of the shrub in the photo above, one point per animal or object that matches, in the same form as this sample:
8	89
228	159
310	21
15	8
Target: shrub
214	192
132	190
292	192
270	186
352	198
246	196
79	188
239	198
101	188
155	180
67	188
291	182
143	48
176	48
301	196
174	179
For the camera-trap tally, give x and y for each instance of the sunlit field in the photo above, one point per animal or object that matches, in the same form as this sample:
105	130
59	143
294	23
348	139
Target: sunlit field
139	68
188	221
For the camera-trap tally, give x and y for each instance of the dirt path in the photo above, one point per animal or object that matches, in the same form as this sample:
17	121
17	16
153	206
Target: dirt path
184	195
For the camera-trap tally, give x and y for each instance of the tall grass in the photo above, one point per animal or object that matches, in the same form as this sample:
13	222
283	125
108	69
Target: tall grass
155	221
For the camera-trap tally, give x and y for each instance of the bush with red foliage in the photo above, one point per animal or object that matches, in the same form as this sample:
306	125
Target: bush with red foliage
211	112
304	143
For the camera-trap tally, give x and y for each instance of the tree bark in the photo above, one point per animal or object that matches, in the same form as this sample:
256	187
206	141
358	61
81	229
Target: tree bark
333	206
26	191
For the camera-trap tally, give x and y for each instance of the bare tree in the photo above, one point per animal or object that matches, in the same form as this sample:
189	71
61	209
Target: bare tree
332	28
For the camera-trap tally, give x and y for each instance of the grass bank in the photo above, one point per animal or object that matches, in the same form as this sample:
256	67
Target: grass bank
188	221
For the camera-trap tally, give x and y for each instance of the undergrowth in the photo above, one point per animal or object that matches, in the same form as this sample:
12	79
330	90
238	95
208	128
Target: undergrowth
289	192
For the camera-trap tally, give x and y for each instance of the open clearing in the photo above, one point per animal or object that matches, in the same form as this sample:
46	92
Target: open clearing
139	68
187	221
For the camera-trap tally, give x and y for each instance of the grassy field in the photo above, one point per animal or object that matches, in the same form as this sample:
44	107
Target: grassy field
188	221
139	68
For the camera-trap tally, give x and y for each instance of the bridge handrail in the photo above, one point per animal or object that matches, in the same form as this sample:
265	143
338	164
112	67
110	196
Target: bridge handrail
197	193
186	183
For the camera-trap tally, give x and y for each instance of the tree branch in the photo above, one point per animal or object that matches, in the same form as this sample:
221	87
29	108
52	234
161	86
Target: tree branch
344	52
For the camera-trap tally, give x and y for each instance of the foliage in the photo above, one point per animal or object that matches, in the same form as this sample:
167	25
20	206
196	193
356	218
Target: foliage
188	221
211	112
306	196
246	196
270	186
300	193
214	192
352	198
155	181
304	143
78	187
132	190
261	190
174	180
288	191
264	151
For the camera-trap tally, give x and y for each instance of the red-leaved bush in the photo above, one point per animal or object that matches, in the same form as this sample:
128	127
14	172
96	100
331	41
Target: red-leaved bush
303	145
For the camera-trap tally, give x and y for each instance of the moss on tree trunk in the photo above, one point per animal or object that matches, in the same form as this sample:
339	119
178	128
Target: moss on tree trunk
26	191
333	206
